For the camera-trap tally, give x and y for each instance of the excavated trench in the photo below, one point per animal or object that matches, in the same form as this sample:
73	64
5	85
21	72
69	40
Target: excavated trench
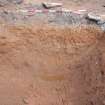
52	66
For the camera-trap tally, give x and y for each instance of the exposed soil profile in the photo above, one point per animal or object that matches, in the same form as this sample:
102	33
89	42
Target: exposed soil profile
52	66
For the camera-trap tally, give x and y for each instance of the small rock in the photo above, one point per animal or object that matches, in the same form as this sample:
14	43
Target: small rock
93	17
51	5
101	22
25	101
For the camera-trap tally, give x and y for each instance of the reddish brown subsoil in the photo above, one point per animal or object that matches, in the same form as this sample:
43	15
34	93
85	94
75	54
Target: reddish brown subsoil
52	66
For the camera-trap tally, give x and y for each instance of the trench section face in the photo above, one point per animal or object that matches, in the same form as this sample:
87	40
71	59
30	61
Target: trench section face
58	66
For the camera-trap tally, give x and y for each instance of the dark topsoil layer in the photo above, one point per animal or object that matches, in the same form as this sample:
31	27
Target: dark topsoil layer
24	14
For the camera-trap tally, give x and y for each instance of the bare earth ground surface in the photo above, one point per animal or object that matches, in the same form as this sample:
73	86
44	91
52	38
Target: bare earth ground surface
13	14
52	65
77	4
